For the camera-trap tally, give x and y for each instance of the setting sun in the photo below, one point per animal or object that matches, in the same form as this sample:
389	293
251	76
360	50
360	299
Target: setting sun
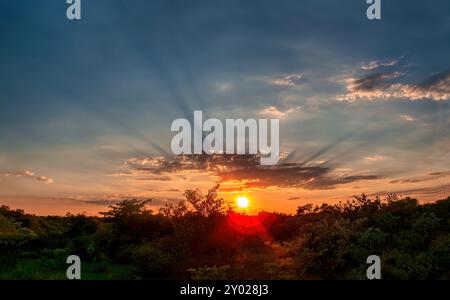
242	202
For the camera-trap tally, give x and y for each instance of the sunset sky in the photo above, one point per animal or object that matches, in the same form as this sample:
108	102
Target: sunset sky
86	106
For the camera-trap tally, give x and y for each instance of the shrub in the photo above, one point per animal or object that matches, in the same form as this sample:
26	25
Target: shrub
209	273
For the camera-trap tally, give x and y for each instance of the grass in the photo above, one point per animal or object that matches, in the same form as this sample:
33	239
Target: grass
50	269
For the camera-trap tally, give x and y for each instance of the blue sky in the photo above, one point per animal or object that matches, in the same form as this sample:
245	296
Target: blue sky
367	100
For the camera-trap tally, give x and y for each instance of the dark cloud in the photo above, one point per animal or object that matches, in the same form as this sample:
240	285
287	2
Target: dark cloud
116	199
433	192
105	202
374	81
247	170
160	165
431	176
154	178
445	173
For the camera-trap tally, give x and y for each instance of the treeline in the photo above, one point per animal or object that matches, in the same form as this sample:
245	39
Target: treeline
199	238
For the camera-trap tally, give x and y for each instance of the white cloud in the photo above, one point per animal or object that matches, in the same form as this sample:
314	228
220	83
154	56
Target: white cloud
290	80
408	118
375	64
27	174
375	158
223	87
274	112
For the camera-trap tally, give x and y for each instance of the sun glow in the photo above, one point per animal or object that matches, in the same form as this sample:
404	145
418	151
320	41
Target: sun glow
242	202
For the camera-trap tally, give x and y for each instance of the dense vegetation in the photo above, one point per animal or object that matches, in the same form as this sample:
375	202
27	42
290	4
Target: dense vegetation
198	238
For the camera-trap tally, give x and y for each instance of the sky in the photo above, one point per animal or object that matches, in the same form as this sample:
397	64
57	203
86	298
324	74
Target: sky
86	106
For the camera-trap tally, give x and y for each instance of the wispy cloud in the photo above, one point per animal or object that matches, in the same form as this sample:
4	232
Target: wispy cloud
27	174
223	87
385	86
112	199
408	118
378	85
375	64
433	192
274	112
429	177
375	158
289	80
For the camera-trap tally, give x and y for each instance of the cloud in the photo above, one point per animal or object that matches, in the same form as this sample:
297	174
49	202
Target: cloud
112	199
188	163
274	112
290	80
27	174
105	202
385	86
445	173
375	64
433	192
408	118
429	177
291	175
375	158
369	87
224	87
245	171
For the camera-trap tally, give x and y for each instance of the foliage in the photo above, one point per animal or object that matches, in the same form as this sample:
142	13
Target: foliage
152	261
196	239
12	232
209	273
196	203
